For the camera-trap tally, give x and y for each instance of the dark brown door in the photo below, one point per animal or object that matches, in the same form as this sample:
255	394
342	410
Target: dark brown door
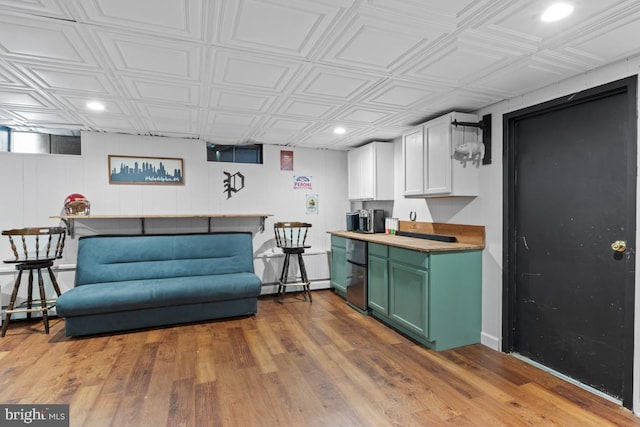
570	194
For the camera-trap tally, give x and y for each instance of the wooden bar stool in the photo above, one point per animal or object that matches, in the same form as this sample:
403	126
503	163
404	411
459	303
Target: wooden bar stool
39	248
291	237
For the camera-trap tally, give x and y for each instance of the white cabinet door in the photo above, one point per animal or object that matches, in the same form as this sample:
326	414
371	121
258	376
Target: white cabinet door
371	172
413	158
361	173
353	165
437	140
367	173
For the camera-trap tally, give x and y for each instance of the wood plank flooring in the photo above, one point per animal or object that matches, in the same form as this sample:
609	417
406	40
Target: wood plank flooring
293	364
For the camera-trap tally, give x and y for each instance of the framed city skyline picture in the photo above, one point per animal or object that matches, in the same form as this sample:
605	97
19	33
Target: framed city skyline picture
146	170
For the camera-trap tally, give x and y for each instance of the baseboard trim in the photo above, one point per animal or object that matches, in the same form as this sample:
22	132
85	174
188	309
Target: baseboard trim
272	288
490	341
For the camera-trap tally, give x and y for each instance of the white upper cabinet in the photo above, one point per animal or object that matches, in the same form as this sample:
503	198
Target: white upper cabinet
371	172
431	166
413	158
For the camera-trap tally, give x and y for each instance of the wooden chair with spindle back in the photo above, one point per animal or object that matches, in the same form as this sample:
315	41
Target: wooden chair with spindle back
291	238
34	248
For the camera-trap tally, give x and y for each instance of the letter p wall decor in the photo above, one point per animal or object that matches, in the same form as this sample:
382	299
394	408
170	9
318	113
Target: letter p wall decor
233	183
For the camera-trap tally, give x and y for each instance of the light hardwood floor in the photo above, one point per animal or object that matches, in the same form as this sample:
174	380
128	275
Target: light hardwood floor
293	364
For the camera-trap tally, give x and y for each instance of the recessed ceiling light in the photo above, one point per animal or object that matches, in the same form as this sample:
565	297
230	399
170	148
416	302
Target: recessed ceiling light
95	106
339	131
556	12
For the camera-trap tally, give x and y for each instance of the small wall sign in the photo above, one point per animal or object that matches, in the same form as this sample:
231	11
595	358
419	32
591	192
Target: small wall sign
302	182
312	204
286	160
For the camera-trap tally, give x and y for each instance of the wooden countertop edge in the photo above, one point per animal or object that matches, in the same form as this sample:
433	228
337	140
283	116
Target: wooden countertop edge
412	243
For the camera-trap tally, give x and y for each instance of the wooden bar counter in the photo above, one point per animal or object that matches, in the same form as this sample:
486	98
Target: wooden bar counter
468	237
70	219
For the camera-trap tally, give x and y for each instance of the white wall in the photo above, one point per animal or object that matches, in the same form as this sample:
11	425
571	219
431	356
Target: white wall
35	187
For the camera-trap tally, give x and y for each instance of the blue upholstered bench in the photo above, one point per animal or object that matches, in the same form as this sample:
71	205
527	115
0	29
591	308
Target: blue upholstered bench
132	282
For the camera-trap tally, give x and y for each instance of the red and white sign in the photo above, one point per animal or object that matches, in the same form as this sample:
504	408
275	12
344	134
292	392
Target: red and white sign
302	182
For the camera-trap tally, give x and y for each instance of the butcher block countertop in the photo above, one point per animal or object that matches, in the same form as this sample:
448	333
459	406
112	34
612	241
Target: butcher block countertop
468	237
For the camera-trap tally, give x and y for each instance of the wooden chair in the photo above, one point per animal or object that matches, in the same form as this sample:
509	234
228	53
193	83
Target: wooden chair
291	238
34	248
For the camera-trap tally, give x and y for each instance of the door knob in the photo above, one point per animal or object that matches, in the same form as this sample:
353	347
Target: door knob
619	246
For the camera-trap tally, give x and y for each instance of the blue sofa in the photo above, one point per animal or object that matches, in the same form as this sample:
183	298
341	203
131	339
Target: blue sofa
132	282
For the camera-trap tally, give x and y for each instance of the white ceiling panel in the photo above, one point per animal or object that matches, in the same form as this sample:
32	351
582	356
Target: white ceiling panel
78	104
286	124
522	22
235	119
437	12
381	133
9	78
287	72
365	115
39	39
614	42
253	72
335	84
326	140
48	8
226	132
460	99
149	90
458	63
375	43
157	56
405	120
171	18
43	117
228	99
527	76
172	126
69	80
395	94
305	107
301	24
155	111
276	136
111	123
11	98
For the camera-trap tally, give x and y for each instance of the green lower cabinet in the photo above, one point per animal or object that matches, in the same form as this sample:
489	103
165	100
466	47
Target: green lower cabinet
339	265
409	297
433	298
455	311
378	278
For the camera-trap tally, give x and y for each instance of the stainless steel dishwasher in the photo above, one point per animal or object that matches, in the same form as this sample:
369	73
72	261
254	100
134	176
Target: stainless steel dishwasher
357	274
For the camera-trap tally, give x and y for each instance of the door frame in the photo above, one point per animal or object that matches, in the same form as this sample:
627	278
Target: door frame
628	85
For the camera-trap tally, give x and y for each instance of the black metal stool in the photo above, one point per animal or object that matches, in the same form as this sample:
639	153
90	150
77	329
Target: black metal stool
40	246
291	237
